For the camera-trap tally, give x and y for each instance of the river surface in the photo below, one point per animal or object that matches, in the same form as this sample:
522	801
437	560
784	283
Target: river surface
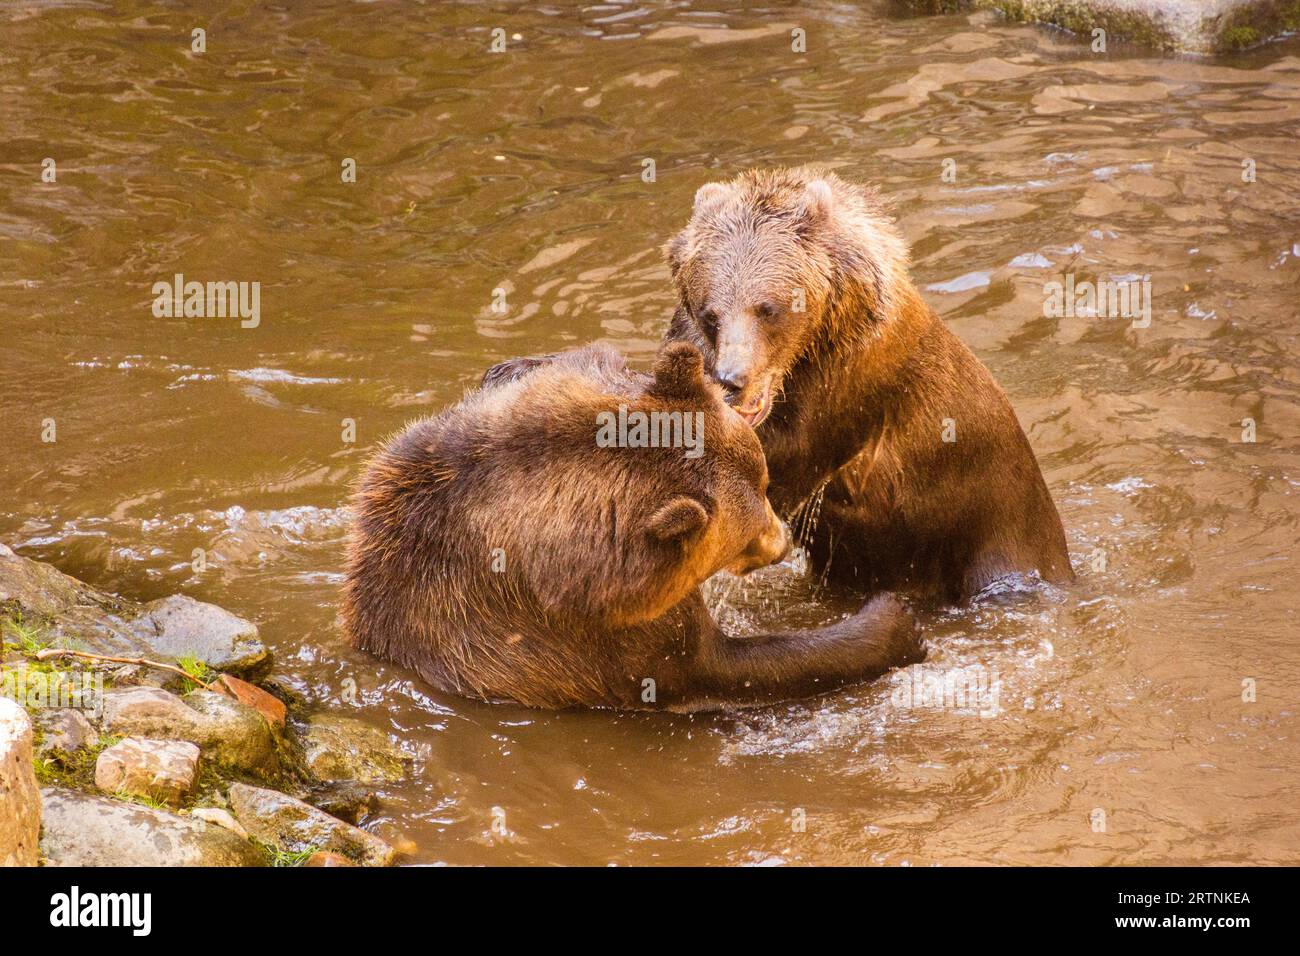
1108	724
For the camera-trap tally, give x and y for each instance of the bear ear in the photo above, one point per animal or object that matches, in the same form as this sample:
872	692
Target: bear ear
679	372
710	194
512	370
815	204
679	519
676	252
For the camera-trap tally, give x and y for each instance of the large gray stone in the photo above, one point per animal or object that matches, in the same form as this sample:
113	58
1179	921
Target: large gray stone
226	730
20	800
1174	26
179	626
82	830
279	820
75	615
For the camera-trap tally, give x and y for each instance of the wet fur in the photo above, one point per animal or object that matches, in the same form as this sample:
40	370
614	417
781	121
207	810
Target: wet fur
866	376
600	590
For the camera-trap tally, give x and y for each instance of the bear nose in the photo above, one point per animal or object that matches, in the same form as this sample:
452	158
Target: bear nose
733	377
787	542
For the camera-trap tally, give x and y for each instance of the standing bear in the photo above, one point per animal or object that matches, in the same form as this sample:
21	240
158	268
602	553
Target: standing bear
891	448
545	540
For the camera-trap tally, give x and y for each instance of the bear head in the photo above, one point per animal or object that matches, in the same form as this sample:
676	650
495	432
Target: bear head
776	266
662	485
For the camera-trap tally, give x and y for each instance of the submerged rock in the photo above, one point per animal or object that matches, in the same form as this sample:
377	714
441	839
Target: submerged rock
20	800
163	770
296	827
72	614
346	799
226	730
344	748
83	830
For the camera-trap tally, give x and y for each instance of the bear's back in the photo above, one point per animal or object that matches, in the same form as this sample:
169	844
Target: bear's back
463	517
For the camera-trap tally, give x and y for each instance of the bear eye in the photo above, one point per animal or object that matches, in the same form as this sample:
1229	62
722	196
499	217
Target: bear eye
766	310
709	319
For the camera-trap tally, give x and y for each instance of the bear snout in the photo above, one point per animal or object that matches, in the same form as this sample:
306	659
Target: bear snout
772	545
784	543
733	375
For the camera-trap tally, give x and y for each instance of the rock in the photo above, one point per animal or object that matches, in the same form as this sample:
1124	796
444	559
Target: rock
65	729
402	845
226	730
250	695
295	827
140	709
163	770
237	735
75	615
221	818
345	799
20	800
320	858
1174	26
128	675
178	626
84	830
344	748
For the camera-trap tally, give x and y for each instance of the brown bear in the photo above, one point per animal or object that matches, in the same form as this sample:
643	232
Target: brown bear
892	450
539	543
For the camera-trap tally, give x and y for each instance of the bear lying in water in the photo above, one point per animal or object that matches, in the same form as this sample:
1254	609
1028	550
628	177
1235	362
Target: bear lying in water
502	553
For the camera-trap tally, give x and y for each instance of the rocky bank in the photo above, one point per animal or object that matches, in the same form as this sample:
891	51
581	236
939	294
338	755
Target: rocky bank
194	758
1197	27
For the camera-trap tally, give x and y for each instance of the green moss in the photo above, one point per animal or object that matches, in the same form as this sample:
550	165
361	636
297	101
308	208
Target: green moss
25	634
209	788
74	770
923	7
1258	24
1242	28
29	666
1239	38
10	608
1081	18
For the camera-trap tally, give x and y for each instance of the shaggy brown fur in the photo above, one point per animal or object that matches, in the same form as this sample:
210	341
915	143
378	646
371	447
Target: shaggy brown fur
501	554
850	394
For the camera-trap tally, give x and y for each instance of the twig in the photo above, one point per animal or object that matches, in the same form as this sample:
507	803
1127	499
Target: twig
61	652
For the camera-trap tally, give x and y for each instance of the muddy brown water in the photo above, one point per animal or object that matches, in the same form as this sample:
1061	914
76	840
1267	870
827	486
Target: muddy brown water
1121	695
